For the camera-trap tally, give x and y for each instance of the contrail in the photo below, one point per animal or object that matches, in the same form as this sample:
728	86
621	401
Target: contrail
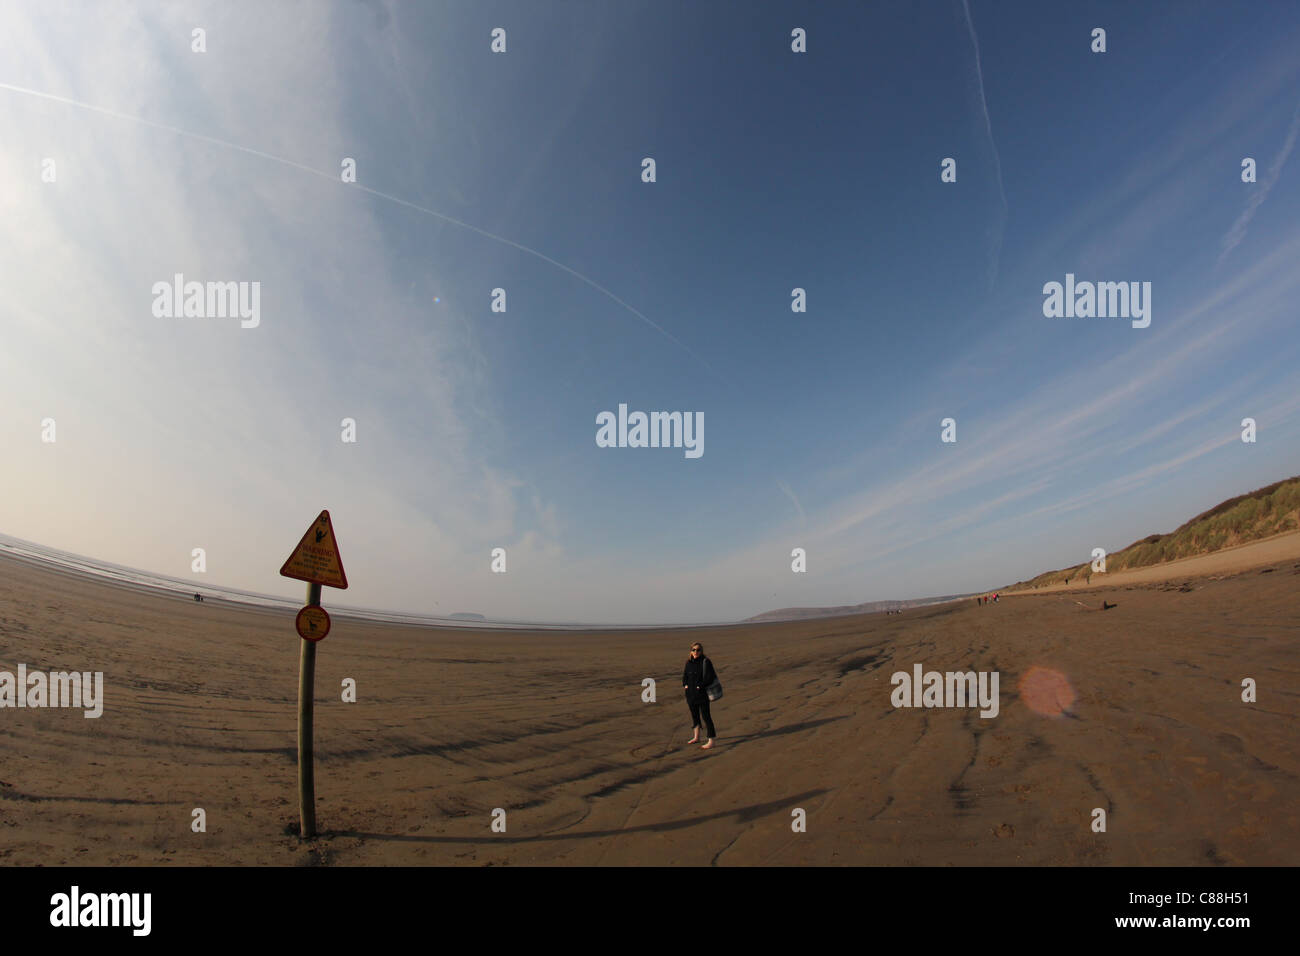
333	177
1237	233
996	230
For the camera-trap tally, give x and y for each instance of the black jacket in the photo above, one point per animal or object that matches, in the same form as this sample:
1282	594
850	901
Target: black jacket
697	676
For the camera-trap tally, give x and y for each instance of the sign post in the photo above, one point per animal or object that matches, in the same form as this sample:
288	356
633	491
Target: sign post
306	751
316	560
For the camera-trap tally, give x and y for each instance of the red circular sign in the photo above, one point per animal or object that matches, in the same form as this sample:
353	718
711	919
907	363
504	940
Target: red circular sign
312	623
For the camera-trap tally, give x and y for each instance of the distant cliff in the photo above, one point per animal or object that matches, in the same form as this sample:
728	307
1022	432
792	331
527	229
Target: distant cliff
870	607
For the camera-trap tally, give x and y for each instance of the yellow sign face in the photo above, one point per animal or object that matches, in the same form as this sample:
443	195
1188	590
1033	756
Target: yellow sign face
316	559
312	623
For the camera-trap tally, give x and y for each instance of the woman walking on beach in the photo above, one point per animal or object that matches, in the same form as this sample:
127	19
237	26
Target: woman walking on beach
696	678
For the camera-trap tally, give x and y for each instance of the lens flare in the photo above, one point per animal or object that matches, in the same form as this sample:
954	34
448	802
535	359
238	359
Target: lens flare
1046	691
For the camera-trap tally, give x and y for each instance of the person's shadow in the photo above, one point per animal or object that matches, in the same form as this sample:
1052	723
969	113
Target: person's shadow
780	731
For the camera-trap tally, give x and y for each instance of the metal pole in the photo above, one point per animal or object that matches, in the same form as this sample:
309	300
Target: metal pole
306	753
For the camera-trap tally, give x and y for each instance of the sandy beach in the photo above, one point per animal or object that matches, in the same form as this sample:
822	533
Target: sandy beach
1140	714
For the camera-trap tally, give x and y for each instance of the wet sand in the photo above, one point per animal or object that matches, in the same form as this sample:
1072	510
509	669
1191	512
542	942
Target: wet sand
200	711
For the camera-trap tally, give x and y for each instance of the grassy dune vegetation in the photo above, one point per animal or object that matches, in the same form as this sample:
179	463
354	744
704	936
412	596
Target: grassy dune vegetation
1250	517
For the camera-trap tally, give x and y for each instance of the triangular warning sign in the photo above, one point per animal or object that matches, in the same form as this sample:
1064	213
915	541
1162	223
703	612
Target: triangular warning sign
316	559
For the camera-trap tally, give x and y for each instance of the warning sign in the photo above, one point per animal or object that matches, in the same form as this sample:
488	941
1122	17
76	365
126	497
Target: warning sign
316	559
312	623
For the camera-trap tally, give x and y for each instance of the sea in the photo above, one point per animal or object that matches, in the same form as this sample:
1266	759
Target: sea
181	589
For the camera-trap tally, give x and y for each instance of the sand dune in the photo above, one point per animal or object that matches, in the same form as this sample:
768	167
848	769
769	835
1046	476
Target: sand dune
199	711
1280	548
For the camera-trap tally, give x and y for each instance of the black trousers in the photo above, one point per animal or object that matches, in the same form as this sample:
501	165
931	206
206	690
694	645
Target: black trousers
699	705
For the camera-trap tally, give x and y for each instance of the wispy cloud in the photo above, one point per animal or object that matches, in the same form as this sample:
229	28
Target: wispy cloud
333	177
1026	449
193	413
1237	233
803	519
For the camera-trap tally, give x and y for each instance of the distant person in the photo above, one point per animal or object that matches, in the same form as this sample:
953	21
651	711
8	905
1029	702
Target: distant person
995	599
696	678
198	597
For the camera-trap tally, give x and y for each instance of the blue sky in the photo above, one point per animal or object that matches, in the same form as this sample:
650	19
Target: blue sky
775	170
